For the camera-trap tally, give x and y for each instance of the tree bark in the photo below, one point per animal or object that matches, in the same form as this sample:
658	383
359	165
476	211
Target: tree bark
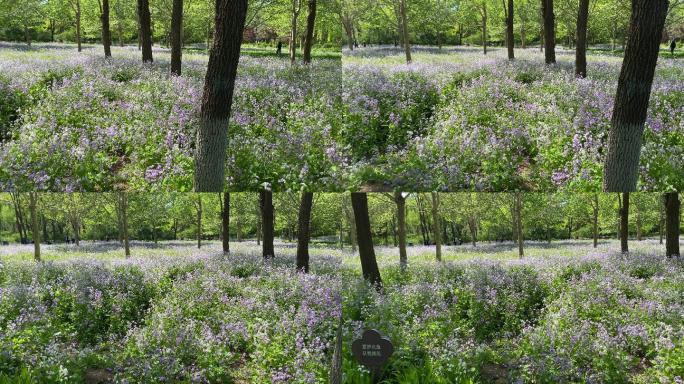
123	207
266	202
176	33
581	49
633	94
296	8
304	232
484	27
225	223
436	226
369	265
405	32
549	32
624	223
145	30
400	201
106	33
310	25
35	228
672	207
219	84
509	32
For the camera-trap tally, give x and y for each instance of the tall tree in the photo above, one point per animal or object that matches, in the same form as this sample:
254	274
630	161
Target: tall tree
304	231
225	223
672	208
549	31
76	4
217	98
176	35
405	31
35	228
436	226
369	265
595	217
296	9
145	21
106	33
266	204
581	48
510	37
624	223
634	91
310	25
400	201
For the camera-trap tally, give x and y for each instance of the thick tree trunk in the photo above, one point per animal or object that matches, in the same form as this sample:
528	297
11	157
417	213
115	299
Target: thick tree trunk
634	90
219	84
225	223
310	25
199	221
296	7
581	49
400	201
145	30
369	265
304	232
672	208
549	32
266	203
405	32
509	32
176	33
106	33
624	223
35	227
436	226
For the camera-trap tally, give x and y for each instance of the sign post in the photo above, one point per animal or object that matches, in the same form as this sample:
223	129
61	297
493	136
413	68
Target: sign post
372	350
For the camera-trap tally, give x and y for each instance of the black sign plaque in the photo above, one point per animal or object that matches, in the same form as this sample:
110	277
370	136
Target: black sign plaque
372	350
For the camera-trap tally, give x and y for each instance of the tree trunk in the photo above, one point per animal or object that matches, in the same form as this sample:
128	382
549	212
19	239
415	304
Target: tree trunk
199	221
672	207
303	232
624	223
518	224
633	94
405	32
145	30
436	226
225	223
296	4
549	32
35	227
400	201
581	49
484	27
176	44
638	220
369	265
78	25
310	25
509	32
266	203
661	219
219	84
106	33
123	201
595	221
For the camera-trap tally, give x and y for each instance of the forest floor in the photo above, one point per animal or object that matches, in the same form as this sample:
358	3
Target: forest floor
565	313
454	119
